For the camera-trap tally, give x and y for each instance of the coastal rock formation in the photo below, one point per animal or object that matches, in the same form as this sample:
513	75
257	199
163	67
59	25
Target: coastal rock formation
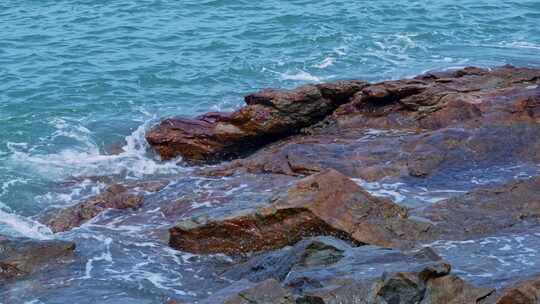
268	115
21	257
430	284
278	264
509	207
266	292
327	203
526	292
115	197
416	127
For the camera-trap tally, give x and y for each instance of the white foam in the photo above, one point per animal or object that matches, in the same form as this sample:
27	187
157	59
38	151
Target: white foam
88	161
105	256
328	61
300	76
22	226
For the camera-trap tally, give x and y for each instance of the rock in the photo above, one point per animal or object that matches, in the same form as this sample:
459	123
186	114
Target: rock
451	289
487	210
266	292
20	257
525	292
416	127
115	197
327	203
355	293
429	284
276	265
268	115
408	287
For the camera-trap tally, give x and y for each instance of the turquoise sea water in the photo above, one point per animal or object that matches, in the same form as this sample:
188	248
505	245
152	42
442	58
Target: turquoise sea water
80	77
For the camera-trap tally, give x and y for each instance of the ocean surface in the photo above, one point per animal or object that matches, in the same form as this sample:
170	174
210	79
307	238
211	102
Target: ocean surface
81	79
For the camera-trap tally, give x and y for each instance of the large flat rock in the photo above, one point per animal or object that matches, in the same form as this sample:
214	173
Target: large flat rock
327	203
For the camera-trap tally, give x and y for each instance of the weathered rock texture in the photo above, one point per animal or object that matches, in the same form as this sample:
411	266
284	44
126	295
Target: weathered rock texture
430	284
510	207
417	127
266	292
328	203
268	115
115	197
20	257
526	292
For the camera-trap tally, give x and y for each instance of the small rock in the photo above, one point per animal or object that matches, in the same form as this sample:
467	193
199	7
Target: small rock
115	197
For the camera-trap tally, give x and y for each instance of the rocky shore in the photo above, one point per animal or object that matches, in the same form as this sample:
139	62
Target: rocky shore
315	230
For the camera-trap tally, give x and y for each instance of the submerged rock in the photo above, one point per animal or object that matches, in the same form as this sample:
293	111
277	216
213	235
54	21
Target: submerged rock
115	197
20	257
327	203
268	115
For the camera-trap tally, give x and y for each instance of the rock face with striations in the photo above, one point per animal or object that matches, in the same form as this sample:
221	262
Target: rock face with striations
268	116
421	127
327	203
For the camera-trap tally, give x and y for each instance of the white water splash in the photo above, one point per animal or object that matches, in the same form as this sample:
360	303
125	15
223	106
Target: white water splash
133	161
13	224
328	61
300	76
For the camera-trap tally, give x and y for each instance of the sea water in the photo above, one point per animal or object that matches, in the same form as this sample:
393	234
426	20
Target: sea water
81	77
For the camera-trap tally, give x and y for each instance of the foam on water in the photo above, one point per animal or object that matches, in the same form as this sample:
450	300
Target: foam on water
134	160
13	224
73	77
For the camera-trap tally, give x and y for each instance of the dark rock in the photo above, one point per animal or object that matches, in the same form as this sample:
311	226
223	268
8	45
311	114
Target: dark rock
327	203
355	293
429	284
268	115
20	257
115	197
276	265
266	292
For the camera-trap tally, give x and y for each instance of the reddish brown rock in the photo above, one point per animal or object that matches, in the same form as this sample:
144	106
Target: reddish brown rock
327	203
267	116
115	197
418	127
526	292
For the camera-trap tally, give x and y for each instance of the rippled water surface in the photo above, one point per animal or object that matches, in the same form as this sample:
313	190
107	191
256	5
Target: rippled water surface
80	79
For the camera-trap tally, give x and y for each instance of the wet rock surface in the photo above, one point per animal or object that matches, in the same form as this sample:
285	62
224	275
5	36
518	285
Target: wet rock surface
526	292
268	115
348	192
514	206
327	203
115	197
424	126
20	257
